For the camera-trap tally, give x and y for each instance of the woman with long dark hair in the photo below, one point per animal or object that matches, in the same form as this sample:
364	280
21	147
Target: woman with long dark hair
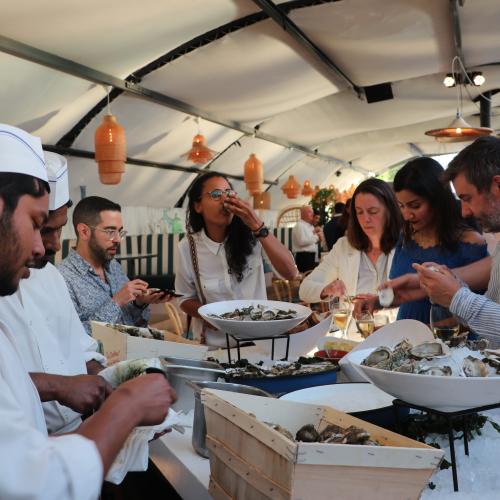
221	256
359	262
433	229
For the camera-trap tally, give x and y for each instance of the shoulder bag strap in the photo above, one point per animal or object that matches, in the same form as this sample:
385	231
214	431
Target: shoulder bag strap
201	295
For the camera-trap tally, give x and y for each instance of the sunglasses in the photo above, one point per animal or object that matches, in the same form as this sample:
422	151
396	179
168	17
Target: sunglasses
216	194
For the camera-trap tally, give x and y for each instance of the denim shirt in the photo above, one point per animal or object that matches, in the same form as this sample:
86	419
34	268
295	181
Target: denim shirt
92	297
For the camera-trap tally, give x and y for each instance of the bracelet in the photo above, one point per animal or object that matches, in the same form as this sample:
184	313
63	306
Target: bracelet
142	307
258	229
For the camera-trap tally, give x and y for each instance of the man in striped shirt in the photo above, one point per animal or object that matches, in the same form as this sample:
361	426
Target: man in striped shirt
475	174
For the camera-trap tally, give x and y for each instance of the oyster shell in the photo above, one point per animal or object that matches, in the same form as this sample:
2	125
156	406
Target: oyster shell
474	367
332	434
379	355
281	430
427	350
308	434
407	367
355	435
439	371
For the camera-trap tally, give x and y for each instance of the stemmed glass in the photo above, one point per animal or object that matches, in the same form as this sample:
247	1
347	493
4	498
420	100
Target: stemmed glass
341	311
365	323
443	324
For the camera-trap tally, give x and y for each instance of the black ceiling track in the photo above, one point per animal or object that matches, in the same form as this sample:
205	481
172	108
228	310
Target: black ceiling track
210	36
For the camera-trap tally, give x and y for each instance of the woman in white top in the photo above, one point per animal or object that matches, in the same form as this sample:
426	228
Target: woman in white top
227	238
359	262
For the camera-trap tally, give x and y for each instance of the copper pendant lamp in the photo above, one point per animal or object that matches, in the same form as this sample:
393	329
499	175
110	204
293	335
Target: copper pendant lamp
459	131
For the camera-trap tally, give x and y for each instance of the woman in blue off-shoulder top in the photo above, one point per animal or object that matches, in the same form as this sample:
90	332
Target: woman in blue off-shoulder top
433	230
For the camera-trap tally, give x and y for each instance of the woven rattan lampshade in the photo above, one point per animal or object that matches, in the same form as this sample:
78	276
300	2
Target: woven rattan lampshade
254	175
291	187
110	150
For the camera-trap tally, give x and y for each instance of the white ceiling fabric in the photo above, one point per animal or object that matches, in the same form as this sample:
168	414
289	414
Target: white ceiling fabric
254	75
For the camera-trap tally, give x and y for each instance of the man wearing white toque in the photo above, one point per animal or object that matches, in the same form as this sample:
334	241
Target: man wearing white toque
33	464
50	337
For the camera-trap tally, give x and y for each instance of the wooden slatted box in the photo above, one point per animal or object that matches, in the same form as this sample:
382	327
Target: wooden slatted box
252	461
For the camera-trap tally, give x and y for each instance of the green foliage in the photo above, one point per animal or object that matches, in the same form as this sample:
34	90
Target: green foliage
322	203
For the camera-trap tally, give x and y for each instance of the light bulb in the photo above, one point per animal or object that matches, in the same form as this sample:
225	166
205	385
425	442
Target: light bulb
478	79
449	80
458	130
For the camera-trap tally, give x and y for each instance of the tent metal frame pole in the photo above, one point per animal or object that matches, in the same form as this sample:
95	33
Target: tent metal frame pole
58	63
280	18
79	153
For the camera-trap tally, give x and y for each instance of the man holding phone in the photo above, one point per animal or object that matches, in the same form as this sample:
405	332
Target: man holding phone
99	288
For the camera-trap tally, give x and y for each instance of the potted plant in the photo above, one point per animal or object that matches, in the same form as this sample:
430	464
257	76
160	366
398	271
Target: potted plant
322	203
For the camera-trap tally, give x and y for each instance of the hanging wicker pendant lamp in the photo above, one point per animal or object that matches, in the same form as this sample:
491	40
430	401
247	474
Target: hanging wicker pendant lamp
254	175
291	187
110	150
199	153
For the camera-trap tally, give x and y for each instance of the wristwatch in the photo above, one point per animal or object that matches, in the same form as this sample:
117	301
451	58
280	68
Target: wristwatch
262	232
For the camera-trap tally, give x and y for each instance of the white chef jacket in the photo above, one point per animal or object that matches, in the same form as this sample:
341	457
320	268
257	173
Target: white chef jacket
49	336
33	465
304	239
217	282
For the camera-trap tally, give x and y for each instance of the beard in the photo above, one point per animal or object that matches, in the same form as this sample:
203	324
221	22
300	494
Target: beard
100	254
490	222
9	254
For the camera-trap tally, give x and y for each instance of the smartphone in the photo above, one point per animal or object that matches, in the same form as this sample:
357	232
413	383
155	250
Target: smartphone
165	291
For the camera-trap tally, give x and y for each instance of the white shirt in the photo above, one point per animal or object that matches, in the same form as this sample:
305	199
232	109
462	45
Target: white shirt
49	336
217	282
304	239
34	465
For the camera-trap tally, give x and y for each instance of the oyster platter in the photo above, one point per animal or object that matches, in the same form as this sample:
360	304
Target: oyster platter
433	374
472	359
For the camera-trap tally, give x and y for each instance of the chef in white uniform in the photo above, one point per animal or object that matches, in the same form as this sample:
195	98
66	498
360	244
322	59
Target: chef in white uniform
49	335
34	465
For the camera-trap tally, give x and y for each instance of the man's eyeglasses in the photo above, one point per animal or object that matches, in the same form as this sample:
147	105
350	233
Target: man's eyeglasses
216	194
111	233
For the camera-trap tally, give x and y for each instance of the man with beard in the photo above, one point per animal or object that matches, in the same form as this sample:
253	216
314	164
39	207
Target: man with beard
475	174
99	288
34	465
50	337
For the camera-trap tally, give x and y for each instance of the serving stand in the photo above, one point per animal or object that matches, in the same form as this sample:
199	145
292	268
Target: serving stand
241	342
450	417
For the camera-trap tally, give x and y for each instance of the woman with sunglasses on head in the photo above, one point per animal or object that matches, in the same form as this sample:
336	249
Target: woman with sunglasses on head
221	257
433	229
359	262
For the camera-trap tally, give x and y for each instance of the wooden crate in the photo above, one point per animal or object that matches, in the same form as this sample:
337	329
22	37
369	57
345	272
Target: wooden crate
118	346
250	460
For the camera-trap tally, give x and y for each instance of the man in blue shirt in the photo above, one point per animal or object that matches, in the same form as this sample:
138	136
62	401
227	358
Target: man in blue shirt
99	288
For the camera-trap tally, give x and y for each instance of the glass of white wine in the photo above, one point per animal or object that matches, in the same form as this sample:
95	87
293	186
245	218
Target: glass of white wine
443	324
365	323
341	311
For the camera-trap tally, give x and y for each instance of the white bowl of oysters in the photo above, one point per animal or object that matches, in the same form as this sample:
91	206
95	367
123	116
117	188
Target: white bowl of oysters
433	375
254	318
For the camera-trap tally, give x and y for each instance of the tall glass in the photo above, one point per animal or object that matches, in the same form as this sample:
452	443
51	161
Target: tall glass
341	312
443	324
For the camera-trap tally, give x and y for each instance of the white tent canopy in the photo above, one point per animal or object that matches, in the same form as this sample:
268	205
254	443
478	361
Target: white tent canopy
230	64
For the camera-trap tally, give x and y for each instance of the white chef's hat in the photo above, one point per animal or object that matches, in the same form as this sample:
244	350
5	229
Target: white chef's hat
57	172
21	153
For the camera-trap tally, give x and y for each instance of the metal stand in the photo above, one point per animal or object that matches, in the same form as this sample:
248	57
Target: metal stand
450	417
240	341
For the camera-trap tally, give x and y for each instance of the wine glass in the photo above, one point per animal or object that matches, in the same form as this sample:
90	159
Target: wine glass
341	311
365	323
443	324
